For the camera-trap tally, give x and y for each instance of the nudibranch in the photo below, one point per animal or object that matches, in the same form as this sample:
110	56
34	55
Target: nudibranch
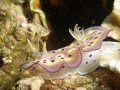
82	56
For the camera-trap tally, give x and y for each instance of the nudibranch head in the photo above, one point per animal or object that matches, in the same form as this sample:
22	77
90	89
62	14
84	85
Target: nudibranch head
68	59
91	38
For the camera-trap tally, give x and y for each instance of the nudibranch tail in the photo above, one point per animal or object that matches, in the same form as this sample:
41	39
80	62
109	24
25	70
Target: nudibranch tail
53	61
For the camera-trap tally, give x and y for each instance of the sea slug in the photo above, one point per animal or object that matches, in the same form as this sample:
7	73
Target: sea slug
82	56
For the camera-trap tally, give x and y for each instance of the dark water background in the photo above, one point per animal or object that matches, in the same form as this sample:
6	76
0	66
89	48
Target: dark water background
64	14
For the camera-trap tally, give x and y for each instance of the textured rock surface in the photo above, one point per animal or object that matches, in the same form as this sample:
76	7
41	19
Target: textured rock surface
14	49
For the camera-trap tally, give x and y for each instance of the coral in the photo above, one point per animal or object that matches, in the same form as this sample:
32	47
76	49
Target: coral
111	60
33	83
112	21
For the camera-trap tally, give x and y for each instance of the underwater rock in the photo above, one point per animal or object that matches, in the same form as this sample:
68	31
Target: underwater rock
35	6
13	46
7	60
111	60
39	30
33	83
21	20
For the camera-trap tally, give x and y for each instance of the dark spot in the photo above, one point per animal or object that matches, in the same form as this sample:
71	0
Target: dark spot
112	44
63	49
77	44
63	66
16	86
83	47
59	55
52	61
86	62
91	42
2	62
51	57
38	61
112	73
90	55
33	68
41	54
94	61
95	34
69	55
89	45
99	33
44	61
96	37
53	51
87	39
62	58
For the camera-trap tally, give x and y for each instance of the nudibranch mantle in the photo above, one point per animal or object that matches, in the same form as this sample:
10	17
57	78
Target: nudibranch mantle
81	56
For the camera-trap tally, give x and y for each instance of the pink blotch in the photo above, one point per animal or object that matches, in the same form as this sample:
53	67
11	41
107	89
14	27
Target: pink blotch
21	19
29	25
112	44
